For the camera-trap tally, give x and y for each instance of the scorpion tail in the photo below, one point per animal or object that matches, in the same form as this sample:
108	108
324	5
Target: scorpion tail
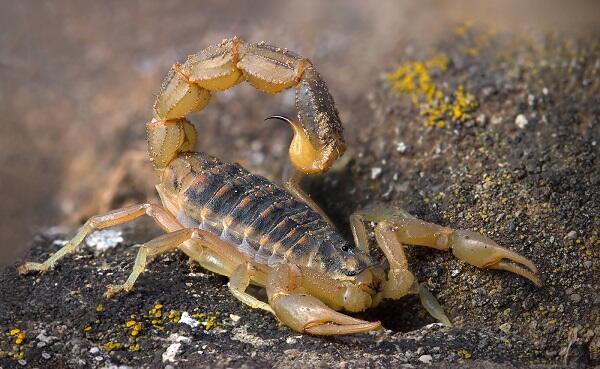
318	137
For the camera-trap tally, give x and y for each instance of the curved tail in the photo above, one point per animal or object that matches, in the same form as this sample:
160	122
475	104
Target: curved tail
318	134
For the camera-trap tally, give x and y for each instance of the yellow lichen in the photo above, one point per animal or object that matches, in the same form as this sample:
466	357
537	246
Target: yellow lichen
100	308
20	338
210	323
198	316
136	329
437	106
464	354
112	345
174	316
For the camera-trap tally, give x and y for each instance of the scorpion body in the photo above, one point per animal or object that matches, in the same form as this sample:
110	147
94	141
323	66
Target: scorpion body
264	222
245	227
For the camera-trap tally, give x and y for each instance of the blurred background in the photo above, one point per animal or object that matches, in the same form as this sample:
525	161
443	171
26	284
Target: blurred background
77	83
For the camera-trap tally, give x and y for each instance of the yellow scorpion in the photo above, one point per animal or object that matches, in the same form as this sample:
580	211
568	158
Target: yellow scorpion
245	227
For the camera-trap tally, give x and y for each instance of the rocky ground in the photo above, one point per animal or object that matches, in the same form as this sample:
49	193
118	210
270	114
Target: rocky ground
483	131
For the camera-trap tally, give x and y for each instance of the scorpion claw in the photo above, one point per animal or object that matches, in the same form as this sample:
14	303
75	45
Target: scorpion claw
307	314
481	251
517	269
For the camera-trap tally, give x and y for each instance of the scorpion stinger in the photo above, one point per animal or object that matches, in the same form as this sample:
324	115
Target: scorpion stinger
302	151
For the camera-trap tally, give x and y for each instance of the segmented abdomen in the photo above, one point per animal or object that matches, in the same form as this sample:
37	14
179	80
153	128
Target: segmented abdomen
263	221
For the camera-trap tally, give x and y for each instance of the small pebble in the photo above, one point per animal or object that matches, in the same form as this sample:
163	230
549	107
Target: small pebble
98	358
521	121
376	172
571	235
46	355
171	352
43	338
496	120
22	362
94	350
425	359
104	239
587	264
169	366
401	147
575	297
505	327
187	319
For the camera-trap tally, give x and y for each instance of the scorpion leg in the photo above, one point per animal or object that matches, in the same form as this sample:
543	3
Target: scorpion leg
239	282
400	280
220	257
147	252
472	247
112	218
305	313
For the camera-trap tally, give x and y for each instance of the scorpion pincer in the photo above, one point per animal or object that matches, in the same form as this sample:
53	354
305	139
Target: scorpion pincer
243	226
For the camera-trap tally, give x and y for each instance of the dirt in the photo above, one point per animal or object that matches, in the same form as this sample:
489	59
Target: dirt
521	168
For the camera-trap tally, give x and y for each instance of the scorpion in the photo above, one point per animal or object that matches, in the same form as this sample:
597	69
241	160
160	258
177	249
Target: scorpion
245	227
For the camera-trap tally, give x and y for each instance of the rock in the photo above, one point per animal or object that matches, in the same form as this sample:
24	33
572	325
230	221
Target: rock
571	235
575	298
425	359
521	121
375	172
505	327
171	351
187	319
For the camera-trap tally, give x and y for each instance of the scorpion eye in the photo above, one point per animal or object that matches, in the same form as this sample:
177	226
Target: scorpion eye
346	248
